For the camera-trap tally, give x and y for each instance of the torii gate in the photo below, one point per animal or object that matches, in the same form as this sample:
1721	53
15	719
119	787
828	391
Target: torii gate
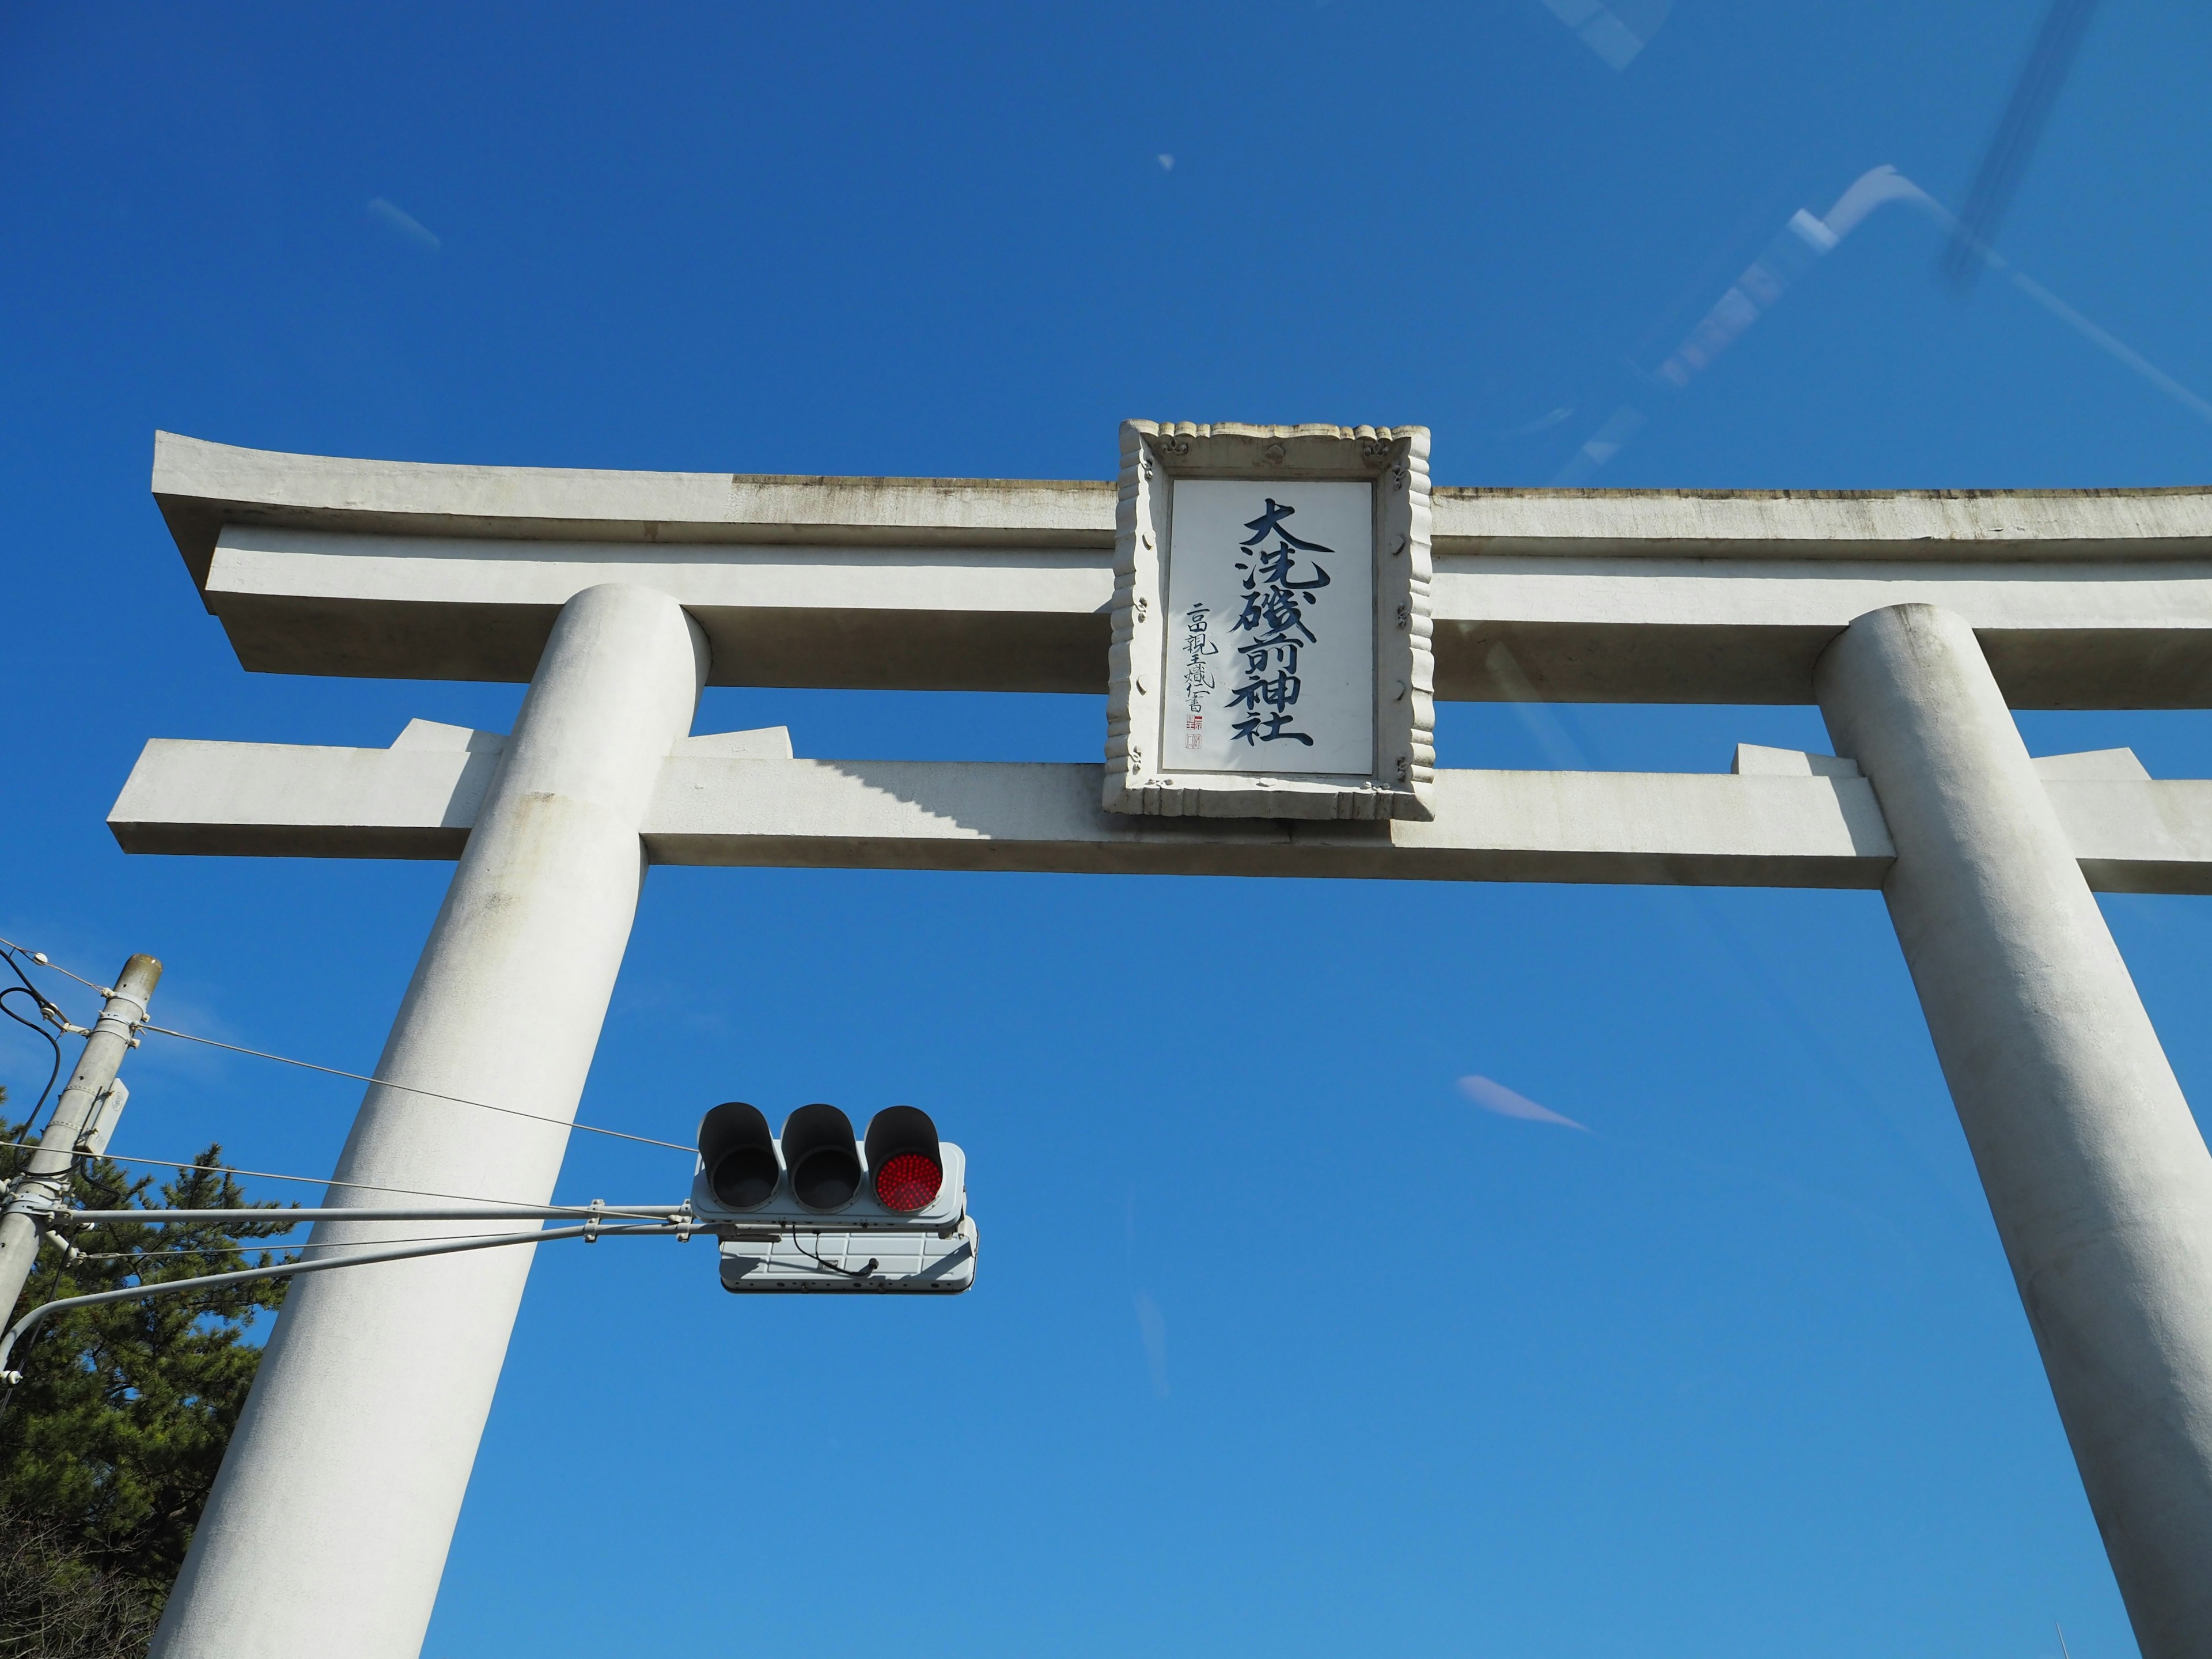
1913	618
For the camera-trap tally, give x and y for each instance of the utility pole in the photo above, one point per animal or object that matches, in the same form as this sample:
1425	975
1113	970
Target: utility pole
45	1180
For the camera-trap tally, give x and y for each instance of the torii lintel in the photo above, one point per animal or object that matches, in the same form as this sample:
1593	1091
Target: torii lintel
2080	599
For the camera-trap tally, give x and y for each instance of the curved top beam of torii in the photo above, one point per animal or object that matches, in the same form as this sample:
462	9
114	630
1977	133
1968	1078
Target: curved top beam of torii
2080	598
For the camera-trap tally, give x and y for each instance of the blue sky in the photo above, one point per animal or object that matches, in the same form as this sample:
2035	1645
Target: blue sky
1318	1355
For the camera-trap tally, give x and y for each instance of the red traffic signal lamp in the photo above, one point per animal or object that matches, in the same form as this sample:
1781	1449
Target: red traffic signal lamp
906	1161
819	1208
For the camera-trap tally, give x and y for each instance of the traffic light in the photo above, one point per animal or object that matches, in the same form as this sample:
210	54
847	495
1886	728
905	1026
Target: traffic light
820	1209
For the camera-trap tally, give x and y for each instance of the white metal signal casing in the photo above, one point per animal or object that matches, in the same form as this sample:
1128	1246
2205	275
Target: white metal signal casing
861	1245
862	1212
929	1264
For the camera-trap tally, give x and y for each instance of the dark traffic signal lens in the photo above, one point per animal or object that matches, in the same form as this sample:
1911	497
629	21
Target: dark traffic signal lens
818	1150
903	1154
745	1177
739	1154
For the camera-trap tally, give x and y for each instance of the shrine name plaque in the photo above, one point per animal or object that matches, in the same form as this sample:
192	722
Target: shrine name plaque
1270	650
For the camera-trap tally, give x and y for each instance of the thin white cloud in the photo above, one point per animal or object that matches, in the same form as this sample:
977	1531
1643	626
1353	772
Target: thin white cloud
1152	1329
1166	161
403	223
1493	1097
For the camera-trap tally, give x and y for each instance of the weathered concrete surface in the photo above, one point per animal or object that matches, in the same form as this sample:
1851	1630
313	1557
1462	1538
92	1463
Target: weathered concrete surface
328	1527
2081	598
2117	632
1489	826
1790	820
201	486
2097	1176
977	617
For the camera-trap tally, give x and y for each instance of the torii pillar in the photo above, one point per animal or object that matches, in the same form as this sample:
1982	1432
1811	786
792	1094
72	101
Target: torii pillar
327	1529
2097	1176
1917	620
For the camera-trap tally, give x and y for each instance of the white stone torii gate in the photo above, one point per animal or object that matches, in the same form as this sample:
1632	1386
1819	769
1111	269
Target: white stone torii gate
1913	618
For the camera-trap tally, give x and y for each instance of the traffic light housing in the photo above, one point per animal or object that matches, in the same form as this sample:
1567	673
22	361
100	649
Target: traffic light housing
736	1156
819	1208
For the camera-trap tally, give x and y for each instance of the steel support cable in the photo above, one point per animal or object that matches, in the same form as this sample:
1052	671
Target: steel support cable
678	1215
319	1264
305	1181
675	1214
40	957
309	1244
296	1218
409	1088
7	946
77	1255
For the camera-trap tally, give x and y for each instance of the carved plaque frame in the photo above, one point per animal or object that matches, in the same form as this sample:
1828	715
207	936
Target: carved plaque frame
1141	774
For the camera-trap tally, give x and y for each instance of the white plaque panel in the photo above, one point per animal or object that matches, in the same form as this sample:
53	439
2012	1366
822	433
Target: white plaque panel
1270	651
1271	628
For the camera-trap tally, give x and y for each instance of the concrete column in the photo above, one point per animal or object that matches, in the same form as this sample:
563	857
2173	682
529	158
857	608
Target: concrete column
2096	1174
328	1527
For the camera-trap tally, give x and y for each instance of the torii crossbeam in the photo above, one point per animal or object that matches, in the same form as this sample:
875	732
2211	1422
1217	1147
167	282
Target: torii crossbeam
1913	618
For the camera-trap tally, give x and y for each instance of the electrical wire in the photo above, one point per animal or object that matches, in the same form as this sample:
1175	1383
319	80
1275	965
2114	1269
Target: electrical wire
308	1180
409	1088
51	1043
47	1011
824	1262
9	947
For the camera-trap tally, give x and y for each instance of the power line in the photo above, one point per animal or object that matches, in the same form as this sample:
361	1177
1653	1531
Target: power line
409	1088
334	1071
55	1071
47	1011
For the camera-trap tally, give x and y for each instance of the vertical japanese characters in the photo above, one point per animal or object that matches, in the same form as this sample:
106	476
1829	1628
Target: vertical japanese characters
1266	598
1198	681
1278	616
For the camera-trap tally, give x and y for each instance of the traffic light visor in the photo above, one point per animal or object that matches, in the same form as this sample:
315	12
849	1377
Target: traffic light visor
818	1150
904	1159
738	1155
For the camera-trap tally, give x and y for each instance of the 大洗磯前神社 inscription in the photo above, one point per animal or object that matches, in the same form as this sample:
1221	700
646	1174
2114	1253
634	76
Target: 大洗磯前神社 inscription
1271	642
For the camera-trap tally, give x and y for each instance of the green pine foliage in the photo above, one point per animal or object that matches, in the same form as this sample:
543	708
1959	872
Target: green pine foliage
109	1445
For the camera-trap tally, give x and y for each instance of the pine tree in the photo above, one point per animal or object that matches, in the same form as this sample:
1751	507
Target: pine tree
110	1443
55	1606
